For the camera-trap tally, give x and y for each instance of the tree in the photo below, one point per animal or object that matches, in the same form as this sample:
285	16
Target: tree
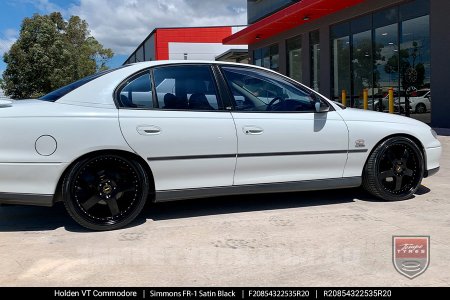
49	53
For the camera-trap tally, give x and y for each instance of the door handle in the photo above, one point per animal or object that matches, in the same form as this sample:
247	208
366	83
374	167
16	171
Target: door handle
252	130
148	130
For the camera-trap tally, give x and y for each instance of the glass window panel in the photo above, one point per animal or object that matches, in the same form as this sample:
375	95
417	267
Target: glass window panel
414	9
264	92
274	57
415	64
265	57
340	30
386	73
362	66
137	93
341	67
361	24
186	87
257	57
385	17
314	41
294	58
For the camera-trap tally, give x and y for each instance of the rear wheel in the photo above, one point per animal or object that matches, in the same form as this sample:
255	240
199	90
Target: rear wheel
394	170
105	192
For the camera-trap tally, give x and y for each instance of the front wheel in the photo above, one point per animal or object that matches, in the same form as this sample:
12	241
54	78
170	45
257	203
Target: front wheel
105	192
394	169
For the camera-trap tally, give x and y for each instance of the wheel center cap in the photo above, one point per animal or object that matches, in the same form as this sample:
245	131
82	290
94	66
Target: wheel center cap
107	189
398	169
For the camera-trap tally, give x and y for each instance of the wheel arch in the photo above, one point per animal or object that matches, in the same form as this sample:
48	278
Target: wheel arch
130	155
411	137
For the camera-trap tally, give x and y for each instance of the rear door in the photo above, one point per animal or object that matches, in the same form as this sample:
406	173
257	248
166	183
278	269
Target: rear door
187	138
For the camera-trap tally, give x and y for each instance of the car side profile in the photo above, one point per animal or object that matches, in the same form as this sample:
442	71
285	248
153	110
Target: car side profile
166	130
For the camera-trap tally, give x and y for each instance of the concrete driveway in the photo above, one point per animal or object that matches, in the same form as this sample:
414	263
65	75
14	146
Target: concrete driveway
328	238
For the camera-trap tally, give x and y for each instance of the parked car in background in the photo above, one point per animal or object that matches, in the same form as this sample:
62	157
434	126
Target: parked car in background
162	130
419	102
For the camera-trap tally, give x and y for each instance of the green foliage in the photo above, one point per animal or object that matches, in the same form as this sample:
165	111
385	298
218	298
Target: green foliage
51	53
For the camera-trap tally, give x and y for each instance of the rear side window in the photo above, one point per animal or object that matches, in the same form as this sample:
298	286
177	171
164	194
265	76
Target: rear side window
187	87
137	92
61	92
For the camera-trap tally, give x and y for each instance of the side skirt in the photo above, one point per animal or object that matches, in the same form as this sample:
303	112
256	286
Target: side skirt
279	187
26	199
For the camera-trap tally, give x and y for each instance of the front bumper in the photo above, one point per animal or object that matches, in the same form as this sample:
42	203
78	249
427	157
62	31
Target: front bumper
433	156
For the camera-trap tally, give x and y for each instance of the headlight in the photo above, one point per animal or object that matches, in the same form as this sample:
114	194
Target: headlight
434	133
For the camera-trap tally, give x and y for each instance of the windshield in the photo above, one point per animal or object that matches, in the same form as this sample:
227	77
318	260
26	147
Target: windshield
57	94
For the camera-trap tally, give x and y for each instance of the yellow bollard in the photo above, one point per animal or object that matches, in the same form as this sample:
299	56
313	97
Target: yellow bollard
391	100
344	98
366	99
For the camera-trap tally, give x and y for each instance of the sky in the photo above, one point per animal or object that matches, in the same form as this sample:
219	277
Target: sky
121	24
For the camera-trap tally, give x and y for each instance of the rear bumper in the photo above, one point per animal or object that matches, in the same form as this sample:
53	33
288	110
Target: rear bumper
29	183
26	199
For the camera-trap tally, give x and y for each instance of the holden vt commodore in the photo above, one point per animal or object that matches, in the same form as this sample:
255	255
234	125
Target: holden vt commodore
160	131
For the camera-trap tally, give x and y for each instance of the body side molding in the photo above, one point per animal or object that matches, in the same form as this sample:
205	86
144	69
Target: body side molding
255	154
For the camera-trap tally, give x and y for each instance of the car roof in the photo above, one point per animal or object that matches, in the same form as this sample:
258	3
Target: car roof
100	91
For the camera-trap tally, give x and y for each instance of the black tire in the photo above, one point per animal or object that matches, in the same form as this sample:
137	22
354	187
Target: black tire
105	192
394	170
421	108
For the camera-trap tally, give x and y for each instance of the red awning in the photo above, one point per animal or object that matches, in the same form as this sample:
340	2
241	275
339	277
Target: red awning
287	18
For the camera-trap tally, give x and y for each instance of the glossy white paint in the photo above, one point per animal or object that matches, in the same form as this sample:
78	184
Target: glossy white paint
183	133
87	120
373	127
290	132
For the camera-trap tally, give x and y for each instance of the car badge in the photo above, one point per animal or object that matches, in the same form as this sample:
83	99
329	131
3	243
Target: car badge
360	143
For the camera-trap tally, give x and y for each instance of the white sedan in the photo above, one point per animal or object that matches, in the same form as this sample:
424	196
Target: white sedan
160	131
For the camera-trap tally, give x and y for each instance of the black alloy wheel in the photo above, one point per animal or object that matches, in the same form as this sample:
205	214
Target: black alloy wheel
105	192
394	170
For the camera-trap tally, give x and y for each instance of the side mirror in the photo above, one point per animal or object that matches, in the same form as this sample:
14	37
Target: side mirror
317	104
321	109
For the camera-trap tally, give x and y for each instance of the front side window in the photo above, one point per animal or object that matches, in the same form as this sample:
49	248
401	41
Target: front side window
261	91
137	92
186	87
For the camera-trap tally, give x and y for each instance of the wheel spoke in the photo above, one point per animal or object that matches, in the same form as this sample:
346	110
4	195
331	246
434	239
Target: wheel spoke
405	156
398	182
391	157
91	202
408	172
386	174
113	206
127	188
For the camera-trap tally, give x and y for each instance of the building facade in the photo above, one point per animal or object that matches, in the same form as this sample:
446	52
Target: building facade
193	43
344	48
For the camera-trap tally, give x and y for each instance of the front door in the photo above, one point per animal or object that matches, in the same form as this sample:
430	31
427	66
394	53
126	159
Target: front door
188	140
280	136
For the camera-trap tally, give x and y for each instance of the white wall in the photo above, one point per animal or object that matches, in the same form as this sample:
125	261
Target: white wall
199	51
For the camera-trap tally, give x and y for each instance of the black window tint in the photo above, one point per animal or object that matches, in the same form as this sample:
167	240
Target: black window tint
61	92
186	87
137	93
261	91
